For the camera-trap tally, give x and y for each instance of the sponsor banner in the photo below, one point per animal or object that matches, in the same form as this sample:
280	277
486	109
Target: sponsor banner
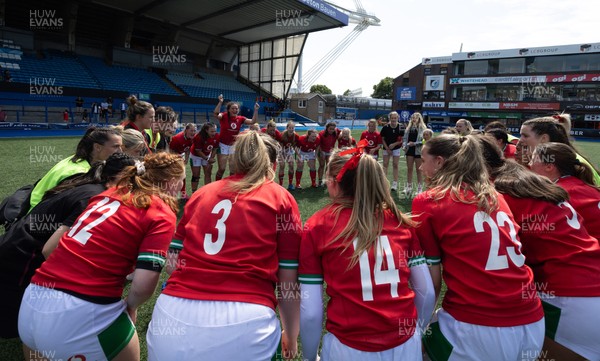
437	113
435	82
405	115
530	106
537	79
474	105
572	106
13	126
592	118
406	93
434	104
500	80
585	132
437	60
341	123
434	113
495	115
327	10
571	78
523	52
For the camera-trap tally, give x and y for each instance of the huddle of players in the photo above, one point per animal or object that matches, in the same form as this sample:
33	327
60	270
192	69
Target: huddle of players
508	239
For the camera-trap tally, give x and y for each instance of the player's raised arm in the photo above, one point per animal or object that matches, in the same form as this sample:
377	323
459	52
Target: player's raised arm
217	110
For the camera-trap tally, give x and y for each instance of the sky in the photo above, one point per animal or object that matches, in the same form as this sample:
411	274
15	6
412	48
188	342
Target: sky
414	29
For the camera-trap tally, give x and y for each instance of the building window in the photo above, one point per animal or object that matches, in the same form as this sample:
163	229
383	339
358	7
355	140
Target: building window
476	67
320	106
546	64
511	66
302	103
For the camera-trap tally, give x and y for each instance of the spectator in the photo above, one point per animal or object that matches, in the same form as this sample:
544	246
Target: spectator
78	105
123	110
3	115
412	144
104	110
109	102
95	112
66	115
84	116
392	136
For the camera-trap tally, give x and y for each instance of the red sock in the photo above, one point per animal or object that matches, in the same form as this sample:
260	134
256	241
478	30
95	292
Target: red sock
298	177
280	179
291	177
313	177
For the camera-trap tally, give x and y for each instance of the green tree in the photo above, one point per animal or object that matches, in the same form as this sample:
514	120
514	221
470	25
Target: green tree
347	92
320	88
383	90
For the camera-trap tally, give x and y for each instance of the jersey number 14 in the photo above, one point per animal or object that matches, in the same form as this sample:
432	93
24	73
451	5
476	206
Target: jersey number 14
381	276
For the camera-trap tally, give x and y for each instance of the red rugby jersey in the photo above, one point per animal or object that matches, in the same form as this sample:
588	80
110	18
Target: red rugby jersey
276	135
374	140
586	201
482	263
328	140
105	243
371	307
180	144
350	142
306	146
205	146
234	244
230	127
509	151
289	141
559	250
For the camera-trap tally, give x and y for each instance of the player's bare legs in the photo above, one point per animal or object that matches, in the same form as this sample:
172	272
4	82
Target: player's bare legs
222	160
131	352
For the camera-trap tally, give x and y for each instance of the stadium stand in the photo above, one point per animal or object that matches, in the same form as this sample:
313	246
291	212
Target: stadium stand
60	68
207	85
126	78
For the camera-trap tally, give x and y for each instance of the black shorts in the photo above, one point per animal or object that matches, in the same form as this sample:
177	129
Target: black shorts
411	152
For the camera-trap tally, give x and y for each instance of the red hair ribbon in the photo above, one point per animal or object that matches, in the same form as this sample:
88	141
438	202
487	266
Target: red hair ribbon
352	163
558	118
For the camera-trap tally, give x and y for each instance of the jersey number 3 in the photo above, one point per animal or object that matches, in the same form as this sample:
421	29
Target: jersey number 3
391	275
211	247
